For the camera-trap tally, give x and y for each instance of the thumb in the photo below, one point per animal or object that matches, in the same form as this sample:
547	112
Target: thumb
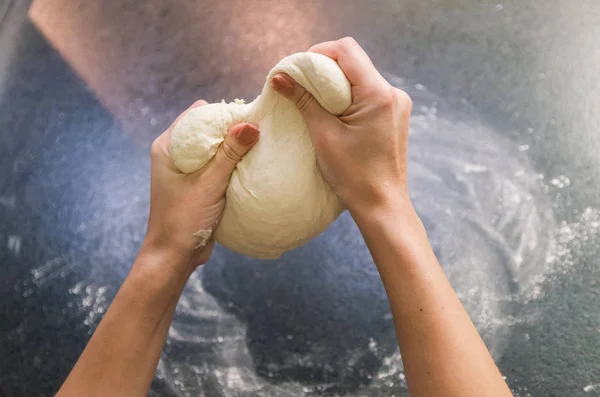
238	141
306	103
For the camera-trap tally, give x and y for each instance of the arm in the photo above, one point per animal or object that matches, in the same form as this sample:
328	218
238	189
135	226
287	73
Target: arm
362	154
442	351
121	357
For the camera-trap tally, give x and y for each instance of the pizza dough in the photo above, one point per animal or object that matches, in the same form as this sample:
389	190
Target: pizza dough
277	198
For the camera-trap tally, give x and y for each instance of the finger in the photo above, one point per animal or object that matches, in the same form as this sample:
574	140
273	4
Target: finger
238	141
308	106
199	102
352	59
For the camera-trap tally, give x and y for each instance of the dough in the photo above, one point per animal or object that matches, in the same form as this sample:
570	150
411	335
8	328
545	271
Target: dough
277	198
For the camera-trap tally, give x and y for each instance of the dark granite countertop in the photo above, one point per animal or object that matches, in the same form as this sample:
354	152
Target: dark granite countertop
504	170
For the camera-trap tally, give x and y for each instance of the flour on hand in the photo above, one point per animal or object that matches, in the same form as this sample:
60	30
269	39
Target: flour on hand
277	199
204	236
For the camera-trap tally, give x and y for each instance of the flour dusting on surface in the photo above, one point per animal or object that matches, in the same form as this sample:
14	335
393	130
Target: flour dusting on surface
490	219
591	387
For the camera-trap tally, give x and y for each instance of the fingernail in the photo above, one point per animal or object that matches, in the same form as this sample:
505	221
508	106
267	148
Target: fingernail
247	135
283	84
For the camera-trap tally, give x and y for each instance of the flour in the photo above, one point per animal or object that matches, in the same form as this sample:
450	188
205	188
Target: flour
204	236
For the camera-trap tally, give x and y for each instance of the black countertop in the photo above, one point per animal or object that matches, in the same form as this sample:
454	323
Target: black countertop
504	170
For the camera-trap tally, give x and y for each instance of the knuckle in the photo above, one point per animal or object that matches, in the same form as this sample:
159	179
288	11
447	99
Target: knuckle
304	101
230	153
388	97
403	101
382	96
346	45
155	148
348	41
200	102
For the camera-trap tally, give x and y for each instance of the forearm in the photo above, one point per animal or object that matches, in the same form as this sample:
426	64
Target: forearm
123	353
442	351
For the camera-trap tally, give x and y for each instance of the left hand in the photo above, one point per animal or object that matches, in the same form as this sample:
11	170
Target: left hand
185	209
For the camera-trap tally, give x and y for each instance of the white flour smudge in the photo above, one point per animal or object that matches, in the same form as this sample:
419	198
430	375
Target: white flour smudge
14	244
52	269
203	237
9	202
94	301
591	387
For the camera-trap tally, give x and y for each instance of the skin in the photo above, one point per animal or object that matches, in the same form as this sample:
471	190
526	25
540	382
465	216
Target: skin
362	154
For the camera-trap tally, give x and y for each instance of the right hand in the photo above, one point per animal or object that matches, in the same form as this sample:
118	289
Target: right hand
362	153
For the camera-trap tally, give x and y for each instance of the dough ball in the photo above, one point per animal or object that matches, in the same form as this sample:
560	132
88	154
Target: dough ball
277	199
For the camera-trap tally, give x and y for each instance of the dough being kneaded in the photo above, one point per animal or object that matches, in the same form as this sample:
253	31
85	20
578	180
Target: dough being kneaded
277	199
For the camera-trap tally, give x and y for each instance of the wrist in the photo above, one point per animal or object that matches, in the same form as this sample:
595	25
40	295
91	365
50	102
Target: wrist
393	216
162	261
395	235
386	202
154	285
169	242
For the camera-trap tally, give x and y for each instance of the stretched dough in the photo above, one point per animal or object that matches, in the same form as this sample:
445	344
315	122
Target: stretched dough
277	199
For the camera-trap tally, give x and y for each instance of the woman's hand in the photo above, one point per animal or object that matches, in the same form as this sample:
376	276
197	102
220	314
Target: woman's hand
121	357
185	209
362	154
